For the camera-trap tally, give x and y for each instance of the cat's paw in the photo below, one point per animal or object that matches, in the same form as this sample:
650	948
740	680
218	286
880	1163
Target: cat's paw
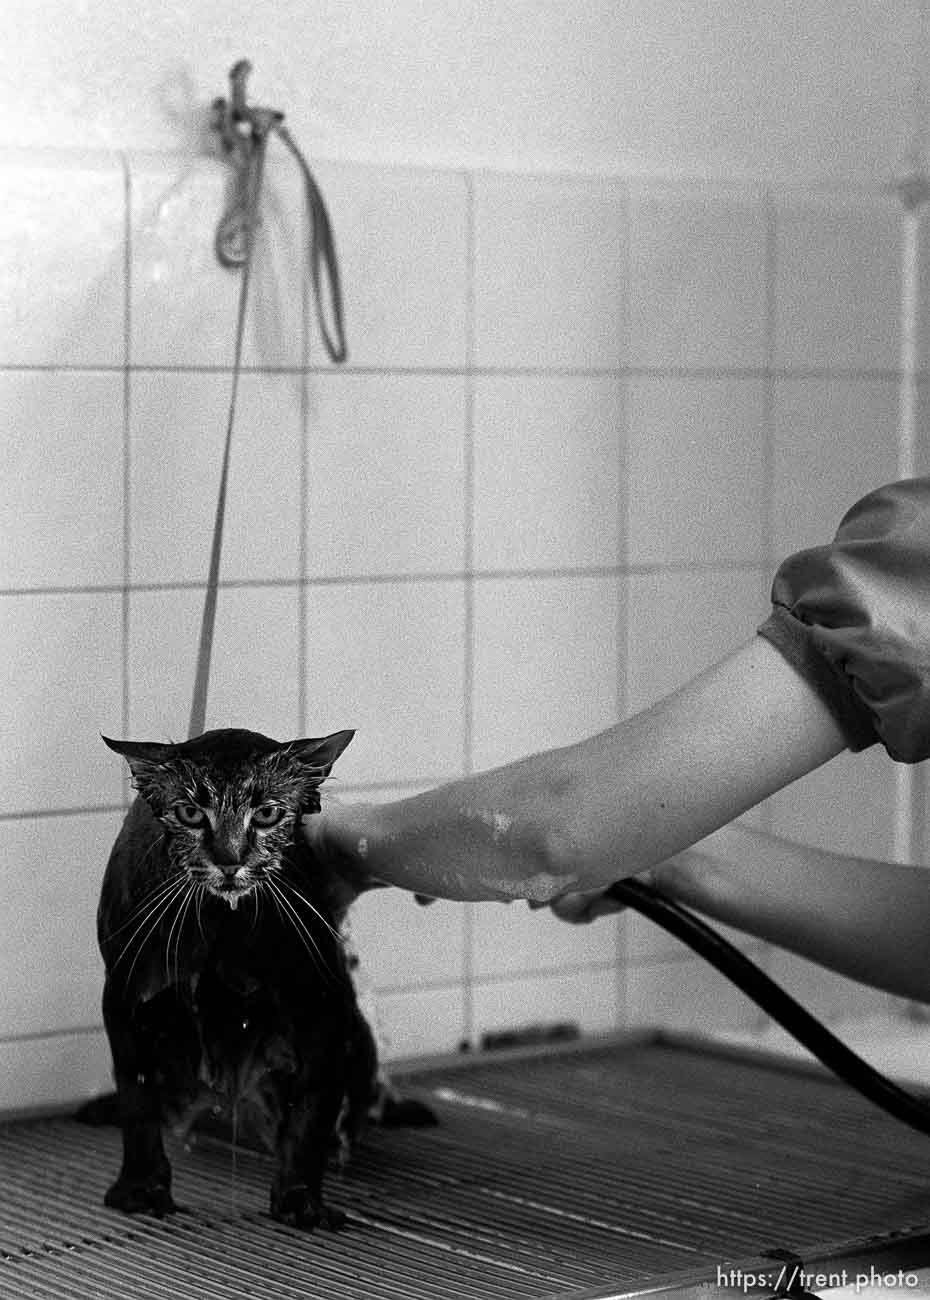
298	1207
140	1198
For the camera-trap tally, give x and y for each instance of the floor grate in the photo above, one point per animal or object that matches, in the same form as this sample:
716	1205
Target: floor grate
606	1165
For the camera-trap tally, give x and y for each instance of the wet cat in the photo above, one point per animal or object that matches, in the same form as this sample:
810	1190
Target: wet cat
227	981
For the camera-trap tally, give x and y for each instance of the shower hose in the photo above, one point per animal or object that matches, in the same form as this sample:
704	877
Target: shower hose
773	999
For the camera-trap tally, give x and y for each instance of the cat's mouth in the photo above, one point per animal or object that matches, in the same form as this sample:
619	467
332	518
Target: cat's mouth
230	893
230	886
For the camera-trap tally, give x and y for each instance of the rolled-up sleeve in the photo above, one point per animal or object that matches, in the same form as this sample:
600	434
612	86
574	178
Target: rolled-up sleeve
854	619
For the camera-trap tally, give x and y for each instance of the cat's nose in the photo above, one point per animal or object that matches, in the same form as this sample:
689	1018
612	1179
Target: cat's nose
227	854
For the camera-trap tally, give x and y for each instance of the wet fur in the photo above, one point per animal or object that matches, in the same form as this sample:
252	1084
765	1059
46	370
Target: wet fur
227	983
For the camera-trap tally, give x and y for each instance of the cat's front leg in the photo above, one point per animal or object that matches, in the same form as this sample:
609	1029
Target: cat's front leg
297	1187
144	1181
309	1107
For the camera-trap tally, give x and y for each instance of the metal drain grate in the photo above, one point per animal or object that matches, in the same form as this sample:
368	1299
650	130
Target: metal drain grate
607	1165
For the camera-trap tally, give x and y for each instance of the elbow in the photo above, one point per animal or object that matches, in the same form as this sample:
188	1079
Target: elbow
563	863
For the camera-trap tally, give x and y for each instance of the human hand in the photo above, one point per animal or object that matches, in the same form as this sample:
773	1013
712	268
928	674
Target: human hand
692	877
339	833
582	908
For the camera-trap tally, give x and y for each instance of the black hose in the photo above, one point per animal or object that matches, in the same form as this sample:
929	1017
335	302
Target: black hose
773	999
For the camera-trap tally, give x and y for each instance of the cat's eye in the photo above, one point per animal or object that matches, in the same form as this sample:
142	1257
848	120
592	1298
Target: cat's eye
268	814
188	814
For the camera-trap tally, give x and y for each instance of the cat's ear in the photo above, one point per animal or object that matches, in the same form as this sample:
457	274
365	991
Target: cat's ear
145	757
319	754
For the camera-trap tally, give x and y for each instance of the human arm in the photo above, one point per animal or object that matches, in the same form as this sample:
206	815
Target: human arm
613	804
866	918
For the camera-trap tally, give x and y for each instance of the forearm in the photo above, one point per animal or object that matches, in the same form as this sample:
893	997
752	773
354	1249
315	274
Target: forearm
866	919
579	817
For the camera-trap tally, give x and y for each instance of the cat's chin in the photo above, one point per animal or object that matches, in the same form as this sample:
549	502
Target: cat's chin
231	892
233	897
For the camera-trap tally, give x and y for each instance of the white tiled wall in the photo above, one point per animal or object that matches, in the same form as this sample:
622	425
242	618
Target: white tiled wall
580	420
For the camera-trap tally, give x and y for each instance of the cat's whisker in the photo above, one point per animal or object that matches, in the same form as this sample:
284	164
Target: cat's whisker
158	903
178	922
277	898
301	929
191	899
200	891
164	883
286	913
149	897
274	899
256	896
283	880
161	914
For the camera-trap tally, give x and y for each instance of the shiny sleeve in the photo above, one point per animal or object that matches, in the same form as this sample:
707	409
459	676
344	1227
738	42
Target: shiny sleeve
854	618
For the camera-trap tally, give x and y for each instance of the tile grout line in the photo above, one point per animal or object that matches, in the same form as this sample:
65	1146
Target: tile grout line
876	374
40	1035
469	917
303	509
768	393
126	604
411	785
591	572
622	454
770	343
768	390
39	814
469	474
621	931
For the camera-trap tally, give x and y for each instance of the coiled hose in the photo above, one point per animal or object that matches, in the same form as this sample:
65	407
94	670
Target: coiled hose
773	999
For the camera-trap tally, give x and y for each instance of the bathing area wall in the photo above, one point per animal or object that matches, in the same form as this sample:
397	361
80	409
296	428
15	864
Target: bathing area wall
582	418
